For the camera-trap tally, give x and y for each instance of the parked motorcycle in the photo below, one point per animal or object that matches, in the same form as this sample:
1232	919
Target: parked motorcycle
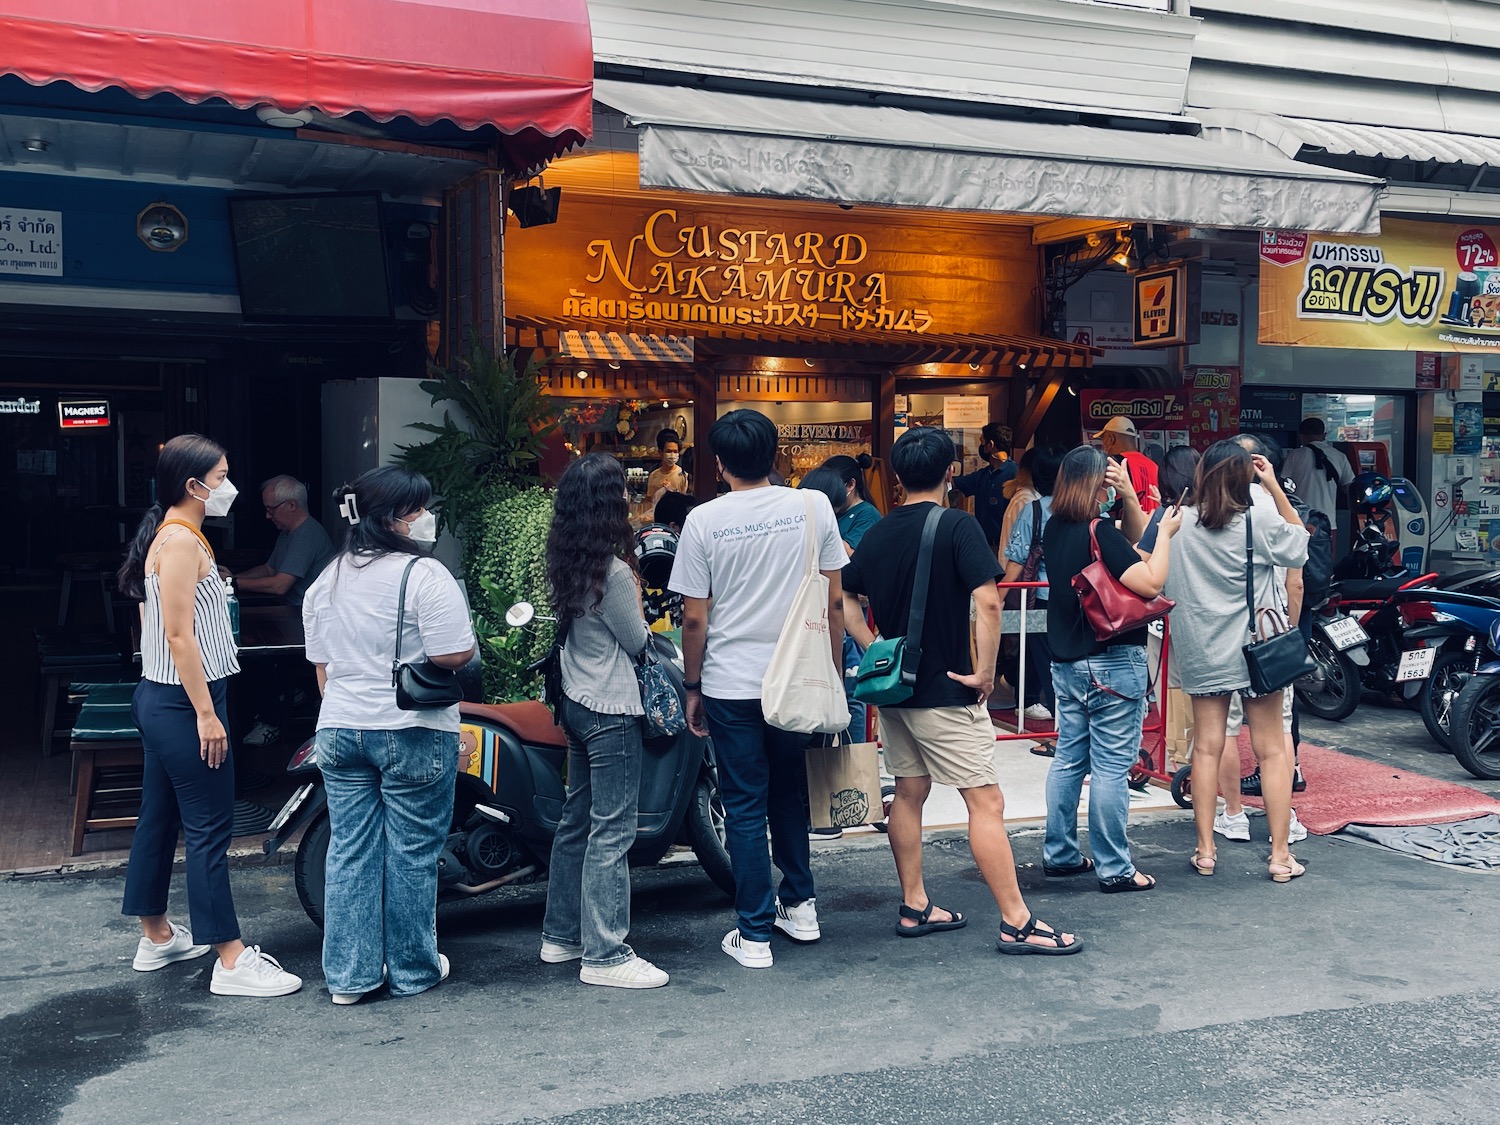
509	797
1452	623
1338	645
1475	723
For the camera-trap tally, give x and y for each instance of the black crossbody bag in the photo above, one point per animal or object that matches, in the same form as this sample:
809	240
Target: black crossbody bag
421	686
1280	659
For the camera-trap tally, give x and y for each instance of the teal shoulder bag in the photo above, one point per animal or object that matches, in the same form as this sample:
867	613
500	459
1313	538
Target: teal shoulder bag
888	672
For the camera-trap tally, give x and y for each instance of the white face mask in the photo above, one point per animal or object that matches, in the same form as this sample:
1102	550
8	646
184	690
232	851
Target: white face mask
670	458
423	529
219	500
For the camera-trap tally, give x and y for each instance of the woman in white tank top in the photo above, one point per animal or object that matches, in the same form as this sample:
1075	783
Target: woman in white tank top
180	707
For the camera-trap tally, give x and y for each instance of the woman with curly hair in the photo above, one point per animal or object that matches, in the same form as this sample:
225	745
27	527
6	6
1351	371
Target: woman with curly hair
596	594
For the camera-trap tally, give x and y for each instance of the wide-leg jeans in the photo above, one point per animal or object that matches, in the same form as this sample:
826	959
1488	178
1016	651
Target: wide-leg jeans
390	807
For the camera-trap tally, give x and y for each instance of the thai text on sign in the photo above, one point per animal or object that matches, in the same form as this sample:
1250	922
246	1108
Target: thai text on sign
31	242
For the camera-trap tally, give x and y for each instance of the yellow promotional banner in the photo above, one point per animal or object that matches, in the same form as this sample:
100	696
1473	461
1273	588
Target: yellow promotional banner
1432	287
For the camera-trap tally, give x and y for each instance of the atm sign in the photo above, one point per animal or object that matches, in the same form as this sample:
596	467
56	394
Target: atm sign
83	415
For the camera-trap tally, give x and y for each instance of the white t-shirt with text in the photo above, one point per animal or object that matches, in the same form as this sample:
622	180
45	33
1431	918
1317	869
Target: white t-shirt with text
746	551
349	617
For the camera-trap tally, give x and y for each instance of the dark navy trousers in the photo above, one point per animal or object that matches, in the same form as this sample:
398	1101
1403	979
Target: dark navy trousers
180	793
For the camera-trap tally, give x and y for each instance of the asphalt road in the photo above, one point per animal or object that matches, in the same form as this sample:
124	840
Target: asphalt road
1365	990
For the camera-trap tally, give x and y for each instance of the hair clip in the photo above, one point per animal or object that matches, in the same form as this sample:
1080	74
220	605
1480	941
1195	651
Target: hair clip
349	509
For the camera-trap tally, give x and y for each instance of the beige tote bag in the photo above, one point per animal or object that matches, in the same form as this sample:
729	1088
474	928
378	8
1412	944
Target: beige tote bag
804	689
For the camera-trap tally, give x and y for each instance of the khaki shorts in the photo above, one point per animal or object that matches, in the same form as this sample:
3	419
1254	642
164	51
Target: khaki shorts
1237	714
952	745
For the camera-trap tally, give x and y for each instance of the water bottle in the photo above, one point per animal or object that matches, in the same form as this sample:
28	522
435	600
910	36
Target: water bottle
234	608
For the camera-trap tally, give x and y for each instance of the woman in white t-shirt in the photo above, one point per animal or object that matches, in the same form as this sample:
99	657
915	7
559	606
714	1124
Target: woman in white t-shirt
389	772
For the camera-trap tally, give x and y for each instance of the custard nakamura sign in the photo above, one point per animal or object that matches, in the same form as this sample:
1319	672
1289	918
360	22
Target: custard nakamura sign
1432	287
682	263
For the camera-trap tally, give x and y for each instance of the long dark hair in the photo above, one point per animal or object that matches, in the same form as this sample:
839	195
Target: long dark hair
851	471
1178	468
590	528
376	499
186	457
1222	489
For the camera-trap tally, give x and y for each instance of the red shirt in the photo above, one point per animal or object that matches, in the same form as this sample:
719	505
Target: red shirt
1143	477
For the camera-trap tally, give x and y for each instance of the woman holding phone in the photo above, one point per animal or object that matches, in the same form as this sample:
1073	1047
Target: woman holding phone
1101	685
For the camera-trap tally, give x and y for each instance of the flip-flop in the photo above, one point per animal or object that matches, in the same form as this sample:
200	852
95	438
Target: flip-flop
1082	867
1019	946
923	925
1123	884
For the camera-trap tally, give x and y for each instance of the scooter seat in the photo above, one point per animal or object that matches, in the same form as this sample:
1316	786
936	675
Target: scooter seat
1370	589
530	721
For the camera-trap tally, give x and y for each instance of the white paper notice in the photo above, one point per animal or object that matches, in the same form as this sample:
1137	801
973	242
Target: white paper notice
965	412
31	242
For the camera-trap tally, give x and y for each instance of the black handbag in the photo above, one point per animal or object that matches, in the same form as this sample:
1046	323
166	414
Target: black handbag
421	685
1281	659
550	668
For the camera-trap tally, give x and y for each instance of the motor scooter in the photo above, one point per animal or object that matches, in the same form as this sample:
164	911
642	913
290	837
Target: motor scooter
1339	646
1475	724
509	797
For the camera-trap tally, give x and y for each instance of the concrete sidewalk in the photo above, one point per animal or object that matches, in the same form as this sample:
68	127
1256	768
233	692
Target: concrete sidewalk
1362	989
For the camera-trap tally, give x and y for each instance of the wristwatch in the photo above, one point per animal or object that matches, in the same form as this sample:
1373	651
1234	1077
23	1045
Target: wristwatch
693	685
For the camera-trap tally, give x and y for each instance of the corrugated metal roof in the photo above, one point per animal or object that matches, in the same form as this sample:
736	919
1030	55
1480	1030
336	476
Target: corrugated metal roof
1097	58
1294	134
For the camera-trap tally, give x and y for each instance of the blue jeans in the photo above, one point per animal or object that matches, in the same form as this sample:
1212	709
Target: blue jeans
1101	701
762	777
588	887
179	791
390	806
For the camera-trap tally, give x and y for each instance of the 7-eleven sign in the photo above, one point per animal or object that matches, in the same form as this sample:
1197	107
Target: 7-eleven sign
1165	307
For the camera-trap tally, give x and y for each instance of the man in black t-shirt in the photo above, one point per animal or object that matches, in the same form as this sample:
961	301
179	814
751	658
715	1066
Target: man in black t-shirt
943	731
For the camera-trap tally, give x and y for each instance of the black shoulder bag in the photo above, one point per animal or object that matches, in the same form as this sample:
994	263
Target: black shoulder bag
421	686
888	672
1281	658
550	667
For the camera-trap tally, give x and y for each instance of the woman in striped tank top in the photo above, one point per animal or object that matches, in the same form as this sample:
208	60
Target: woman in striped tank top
187	656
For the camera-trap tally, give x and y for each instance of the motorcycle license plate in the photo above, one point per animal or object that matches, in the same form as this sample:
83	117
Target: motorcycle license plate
1345	633
1416	664
287	810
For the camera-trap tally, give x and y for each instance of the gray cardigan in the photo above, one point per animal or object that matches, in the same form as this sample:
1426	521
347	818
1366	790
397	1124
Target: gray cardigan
598	660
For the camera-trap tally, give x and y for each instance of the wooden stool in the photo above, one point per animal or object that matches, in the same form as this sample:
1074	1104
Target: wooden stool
93	759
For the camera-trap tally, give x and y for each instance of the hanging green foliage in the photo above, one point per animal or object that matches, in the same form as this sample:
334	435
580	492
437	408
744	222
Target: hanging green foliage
507	564
503	422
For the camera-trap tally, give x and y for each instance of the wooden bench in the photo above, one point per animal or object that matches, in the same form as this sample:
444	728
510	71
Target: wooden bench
107	763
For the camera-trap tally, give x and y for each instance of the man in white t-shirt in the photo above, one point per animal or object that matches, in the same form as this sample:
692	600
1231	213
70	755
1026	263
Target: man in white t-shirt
738	565
1319	471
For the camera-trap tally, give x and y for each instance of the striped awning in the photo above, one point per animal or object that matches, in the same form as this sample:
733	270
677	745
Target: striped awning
626	347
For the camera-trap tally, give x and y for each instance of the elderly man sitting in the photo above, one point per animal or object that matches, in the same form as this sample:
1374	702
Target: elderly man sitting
301	551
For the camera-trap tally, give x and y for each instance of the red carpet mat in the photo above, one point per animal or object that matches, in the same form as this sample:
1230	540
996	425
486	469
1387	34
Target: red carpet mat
1344	790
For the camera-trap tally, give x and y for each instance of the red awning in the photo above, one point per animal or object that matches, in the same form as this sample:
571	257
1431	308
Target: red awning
524	66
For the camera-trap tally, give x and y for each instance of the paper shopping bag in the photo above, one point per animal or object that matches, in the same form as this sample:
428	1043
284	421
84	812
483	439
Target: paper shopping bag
1179	726
843	785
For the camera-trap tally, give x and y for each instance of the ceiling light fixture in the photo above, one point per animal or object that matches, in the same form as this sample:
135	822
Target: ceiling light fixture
35	144
614	365
810	363
283	119
581	374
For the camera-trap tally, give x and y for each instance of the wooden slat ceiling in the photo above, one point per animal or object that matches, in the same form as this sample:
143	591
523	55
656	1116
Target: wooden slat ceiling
829	343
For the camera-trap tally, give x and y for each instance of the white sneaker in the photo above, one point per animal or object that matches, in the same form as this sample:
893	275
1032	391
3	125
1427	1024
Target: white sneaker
254	974
751	954
343	999
1038	712
179	947
261	734
1298	831
443	967
635	973
800	922
816	834
1235	827
555	953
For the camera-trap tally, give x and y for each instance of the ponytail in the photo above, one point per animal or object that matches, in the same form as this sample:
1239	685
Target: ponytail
131	577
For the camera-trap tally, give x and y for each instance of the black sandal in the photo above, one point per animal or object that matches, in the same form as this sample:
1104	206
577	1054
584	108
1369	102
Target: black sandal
1047	749
922	918
1122	884
1019	944
1082	867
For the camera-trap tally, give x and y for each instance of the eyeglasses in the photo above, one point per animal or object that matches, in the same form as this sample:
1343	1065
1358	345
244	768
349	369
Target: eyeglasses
272	509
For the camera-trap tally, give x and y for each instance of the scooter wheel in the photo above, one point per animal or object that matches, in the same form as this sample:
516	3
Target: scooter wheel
1182	787
310	872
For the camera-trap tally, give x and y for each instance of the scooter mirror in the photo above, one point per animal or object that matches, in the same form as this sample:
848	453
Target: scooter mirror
520	615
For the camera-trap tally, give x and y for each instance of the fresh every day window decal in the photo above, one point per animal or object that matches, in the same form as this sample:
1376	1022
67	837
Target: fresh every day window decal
1415	287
